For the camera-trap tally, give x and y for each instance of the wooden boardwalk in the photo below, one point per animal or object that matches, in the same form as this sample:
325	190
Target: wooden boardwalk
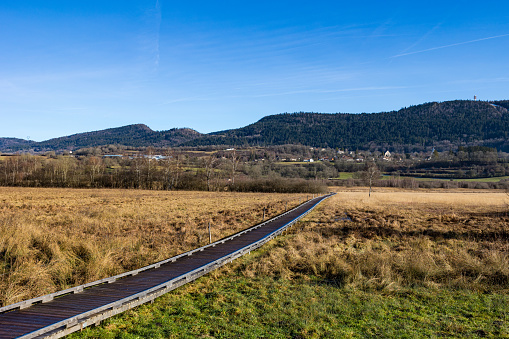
67	311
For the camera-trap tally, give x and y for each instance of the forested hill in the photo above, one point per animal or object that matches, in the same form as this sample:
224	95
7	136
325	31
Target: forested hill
439	124
7	143
132	135
443	125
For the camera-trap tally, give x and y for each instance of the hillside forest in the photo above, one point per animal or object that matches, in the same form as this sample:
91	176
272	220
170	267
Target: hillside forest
444	126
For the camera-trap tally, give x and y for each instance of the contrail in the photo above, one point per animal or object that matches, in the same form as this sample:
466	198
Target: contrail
452	45
421	39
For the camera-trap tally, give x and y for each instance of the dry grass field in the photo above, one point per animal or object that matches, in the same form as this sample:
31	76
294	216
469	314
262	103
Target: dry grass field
401	264
51	239
398	238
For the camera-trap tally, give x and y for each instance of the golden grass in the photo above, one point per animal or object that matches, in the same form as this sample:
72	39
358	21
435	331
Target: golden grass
399	238
51	239
459	198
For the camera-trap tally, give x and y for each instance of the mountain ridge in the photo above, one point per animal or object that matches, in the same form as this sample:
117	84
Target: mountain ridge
458	122
136	135
440	124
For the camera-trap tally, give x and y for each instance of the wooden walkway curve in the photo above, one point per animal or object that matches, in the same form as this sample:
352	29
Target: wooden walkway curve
64	312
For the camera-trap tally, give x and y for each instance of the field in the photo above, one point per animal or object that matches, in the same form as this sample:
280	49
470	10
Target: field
492	179
345	175
422	263
51	239
349	175
290	163
402	238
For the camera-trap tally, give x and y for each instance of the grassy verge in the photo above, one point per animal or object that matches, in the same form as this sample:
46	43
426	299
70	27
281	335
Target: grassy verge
235	306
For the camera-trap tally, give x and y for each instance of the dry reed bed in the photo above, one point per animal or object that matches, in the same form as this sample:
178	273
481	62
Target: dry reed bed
51	239
399	239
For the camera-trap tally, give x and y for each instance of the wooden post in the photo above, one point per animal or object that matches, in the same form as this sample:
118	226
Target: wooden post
210	235
263	214
286	208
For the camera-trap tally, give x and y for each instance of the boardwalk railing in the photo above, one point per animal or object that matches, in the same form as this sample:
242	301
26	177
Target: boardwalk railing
96	315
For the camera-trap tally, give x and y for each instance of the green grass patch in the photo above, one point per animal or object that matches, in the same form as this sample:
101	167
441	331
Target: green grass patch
233	306
289	163
345	175
493	179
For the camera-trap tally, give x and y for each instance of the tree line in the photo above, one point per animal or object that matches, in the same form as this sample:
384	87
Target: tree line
174	171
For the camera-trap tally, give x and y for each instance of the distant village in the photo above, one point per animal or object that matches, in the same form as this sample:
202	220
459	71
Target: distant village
361	156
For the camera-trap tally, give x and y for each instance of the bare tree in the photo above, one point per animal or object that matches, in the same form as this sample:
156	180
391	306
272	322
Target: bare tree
50	171
149	167
136	168
178	168
370	174
15	167
173	166
167	168
94	168
209	163
66	166
234	163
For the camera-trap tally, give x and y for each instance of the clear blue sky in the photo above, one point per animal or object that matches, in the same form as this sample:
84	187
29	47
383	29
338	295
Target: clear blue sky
74	66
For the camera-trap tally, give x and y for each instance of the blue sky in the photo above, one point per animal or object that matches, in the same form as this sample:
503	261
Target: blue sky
75	66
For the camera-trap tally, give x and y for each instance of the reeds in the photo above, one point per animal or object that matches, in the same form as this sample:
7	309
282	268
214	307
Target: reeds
398	239
52	239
